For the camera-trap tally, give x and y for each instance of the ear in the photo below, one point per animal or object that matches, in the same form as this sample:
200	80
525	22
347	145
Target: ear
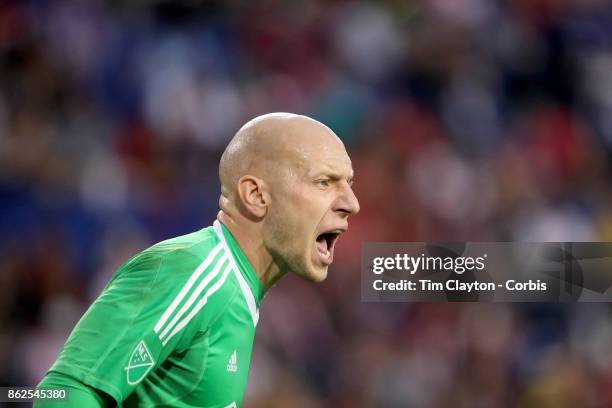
253	195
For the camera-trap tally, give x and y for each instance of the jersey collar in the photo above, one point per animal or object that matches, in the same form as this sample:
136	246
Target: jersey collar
241	261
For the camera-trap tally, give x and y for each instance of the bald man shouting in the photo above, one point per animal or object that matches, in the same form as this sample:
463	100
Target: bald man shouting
175	325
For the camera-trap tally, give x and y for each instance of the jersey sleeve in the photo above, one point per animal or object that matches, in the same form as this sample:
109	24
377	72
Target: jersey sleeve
79	394
142	316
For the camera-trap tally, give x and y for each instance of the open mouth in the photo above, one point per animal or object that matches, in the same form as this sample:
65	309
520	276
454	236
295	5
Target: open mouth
325	243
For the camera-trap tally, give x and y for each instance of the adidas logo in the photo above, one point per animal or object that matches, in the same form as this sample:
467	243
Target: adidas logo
232	365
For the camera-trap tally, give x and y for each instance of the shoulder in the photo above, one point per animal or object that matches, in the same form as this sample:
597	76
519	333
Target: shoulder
196	267
179	254
195	245
164	269
180	282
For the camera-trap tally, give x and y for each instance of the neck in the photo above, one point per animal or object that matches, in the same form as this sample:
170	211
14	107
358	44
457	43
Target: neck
251	243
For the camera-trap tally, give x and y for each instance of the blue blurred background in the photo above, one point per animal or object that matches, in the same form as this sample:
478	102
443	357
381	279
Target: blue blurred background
465	119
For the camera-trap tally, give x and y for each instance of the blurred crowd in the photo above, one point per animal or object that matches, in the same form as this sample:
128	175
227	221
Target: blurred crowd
481	120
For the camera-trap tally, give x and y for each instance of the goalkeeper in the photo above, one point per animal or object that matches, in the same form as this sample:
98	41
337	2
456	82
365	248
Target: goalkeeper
176	323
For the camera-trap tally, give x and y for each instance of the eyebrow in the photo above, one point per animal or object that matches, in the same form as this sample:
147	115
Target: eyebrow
333	174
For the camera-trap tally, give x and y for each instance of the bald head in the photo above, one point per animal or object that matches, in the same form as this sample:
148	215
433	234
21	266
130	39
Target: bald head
269	144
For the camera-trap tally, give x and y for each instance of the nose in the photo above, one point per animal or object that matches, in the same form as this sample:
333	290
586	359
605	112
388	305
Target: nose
347	202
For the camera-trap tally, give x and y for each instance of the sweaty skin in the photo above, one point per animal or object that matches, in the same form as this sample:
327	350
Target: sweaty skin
285	180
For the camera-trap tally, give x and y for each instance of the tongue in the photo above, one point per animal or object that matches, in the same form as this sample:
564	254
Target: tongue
322	244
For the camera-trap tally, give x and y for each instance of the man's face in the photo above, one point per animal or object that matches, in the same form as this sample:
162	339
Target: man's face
312	199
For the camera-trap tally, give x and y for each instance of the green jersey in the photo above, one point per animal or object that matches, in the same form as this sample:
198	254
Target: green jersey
174	326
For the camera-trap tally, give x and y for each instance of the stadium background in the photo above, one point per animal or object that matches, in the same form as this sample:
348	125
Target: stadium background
465	119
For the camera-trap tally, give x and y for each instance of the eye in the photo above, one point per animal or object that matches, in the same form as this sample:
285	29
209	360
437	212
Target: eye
323	183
